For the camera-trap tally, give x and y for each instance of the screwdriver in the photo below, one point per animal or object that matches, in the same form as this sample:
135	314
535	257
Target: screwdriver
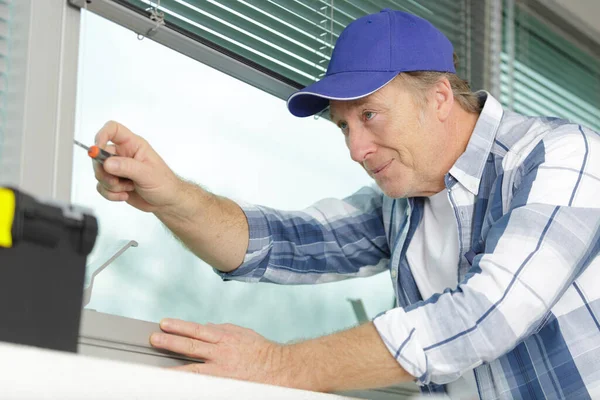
95	152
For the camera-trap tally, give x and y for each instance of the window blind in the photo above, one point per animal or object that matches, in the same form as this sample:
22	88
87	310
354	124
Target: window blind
543	73
7	164
293	39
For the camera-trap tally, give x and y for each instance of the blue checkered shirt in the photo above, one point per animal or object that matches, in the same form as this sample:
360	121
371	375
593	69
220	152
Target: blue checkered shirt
525	312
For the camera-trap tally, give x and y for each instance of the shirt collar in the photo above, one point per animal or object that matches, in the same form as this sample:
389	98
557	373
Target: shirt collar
469	167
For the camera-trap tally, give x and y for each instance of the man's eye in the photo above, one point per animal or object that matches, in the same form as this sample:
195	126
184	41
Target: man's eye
344	127
369	115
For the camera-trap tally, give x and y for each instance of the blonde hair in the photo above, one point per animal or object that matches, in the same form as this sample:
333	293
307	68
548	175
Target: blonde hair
421	81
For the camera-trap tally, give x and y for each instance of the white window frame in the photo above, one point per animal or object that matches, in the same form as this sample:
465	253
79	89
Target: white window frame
42	86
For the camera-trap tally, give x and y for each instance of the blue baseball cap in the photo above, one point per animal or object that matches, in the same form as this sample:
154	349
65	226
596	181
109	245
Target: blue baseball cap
369	53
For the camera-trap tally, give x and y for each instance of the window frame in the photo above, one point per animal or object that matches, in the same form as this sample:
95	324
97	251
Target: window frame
141	25
41	98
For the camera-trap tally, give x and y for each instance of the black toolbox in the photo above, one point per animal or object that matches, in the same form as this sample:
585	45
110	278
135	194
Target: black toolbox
43	251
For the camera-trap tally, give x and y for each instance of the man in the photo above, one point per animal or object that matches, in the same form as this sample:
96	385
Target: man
486	219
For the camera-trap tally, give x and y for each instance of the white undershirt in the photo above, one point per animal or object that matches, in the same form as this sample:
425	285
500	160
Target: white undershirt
433	259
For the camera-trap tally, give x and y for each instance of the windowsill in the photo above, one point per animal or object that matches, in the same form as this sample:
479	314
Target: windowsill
31	373
126	339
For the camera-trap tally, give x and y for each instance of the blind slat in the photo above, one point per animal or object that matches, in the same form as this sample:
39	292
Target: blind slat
243	31
542	100
301	23
294	38
532	80
549	75
549	62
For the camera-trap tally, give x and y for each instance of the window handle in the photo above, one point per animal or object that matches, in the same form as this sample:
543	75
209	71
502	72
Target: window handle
87	291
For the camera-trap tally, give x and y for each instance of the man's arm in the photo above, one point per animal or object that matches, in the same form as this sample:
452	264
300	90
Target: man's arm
352	359
533	254
348	360
329	241
213	227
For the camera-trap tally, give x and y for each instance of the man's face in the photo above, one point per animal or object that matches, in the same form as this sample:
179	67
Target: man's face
399	143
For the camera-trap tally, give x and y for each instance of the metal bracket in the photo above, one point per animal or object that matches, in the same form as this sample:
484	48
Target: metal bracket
359	310
87	291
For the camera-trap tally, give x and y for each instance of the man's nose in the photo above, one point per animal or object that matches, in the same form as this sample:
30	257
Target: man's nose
360	144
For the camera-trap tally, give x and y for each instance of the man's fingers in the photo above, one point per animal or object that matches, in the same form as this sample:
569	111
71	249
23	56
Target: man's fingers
209	334
114	132
125	167
127	143
111	148
110	195
183	345
111	182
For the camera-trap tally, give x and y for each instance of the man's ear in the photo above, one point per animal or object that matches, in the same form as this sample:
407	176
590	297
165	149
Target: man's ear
443	99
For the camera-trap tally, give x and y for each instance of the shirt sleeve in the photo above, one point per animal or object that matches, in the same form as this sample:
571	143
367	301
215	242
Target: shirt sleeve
537	245
331	240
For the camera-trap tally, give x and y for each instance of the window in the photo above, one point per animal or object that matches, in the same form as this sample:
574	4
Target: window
194	116
236	141
545	73
292	40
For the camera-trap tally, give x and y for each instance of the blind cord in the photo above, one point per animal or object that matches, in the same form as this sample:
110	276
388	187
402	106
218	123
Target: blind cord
159	20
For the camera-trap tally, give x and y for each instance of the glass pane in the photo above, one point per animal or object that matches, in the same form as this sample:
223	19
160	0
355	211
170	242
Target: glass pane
231	138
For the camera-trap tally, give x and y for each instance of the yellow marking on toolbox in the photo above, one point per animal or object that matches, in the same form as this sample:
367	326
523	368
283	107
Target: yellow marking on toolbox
7	215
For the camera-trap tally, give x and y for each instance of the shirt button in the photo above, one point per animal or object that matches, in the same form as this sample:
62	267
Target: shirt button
394	274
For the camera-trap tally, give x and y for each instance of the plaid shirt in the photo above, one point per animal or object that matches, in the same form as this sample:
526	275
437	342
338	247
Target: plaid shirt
525	313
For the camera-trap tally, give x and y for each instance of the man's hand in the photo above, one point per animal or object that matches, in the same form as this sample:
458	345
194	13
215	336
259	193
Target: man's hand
138	175
213	227
228	351
352	359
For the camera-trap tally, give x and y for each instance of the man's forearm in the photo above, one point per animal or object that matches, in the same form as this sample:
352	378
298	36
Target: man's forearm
212	227
352	359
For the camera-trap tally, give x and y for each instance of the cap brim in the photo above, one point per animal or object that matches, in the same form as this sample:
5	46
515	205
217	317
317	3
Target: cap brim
341	86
